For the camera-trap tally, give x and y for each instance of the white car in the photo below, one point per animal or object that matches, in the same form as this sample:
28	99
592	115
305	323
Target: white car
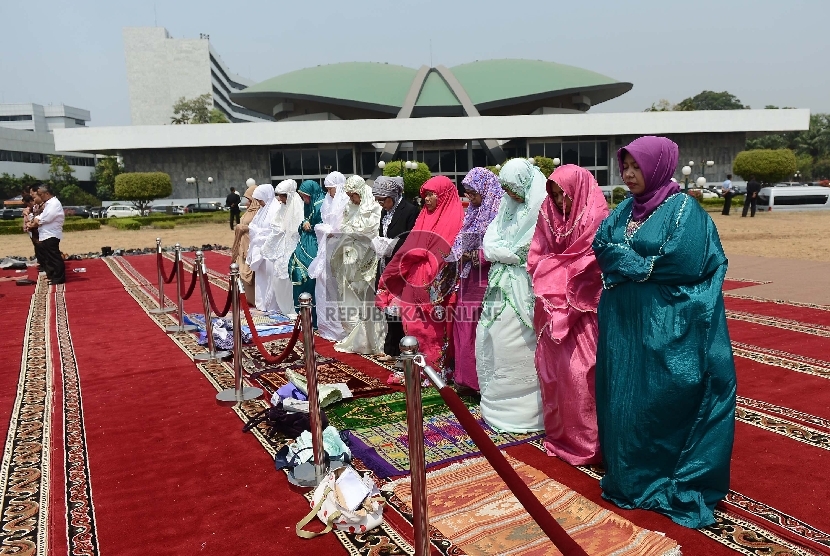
121	211
705	193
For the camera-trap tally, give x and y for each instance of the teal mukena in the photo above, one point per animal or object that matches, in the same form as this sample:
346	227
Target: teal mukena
665	378
307	247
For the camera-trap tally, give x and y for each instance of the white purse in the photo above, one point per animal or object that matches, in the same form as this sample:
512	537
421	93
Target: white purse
344	501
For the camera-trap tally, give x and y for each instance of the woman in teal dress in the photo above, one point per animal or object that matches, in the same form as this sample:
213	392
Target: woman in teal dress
313	196
665	379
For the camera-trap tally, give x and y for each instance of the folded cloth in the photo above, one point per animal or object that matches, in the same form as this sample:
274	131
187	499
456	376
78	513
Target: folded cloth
327	393
301	450
12	264
384	246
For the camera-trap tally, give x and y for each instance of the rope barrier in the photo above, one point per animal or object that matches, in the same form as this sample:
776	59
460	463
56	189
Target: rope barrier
267	355
160	262
228	302
520	490
192	282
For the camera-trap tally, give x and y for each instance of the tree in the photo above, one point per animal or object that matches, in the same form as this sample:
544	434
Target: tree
821	168
769	142
662	105
804	166
141	188
197	110
545	165
710	100
413	179
768	166
104	177
72	195
11	186
61	173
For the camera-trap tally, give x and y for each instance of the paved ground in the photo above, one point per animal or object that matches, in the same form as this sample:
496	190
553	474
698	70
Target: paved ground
792	279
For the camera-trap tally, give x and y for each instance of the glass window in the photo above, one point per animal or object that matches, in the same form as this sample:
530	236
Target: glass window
328	160
447	162
293	166
311	162
461	164
431	160
368	162
602	177
553	150
345	161
17	156
479	158
510	152
587	153
277	167
5	156
570	154
537	149
602	153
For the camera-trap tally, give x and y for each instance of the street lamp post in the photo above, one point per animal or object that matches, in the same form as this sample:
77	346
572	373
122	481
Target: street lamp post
194	180
797	176
686	170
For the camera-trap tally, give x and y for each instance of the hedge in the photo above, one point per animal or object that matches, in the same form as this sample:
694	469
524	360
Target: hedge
143	186
413	179
68	226
164	225
767	165
124	224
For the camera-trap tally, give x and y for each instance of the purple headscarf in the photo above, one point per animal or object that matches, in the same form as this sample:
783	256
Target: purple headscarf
476	219
657	159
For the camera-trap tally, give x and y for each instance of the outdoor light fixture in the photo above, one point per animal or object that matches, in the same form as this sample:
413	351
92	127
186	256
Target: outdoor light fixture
691	163
686	171
701	182
381	165
251	182
556	162
532	160
498	167
710	163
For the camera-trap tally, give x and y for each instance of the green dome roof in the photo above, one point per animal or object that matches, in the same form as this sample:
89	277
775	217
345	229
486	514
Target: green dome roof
376	87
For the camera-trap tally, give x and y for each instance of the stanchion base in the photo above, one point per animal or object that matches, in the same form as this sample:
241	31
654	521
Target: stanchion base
229	396
307	476
162	310
208	356
176	328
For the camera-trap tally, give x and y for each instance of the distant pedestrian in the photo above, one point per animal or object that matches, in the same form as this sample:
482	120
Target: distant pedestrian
232	201
752	190
49	226
728	193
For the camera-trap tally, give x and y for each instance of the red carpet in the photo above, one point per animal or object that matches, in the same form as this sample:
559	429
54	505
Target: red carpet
815	314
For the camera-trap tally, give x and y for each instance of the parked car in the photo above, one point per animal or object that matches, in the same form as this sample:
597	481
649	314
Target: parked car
165	209
11	213
705	193
76	211
201	207
793	197
98	212
122	211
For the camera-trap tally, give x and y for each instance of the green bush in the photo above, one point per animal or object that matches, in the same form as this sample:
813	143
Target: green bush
164	225
768	166
142	187
413	179
72	195
11	230
545	165
11	223
80	225
124	223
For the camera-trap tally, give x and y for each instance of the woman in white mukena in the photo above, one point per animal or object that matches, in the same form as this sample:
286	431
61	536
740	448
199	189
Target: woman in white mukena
282	240
355	263
328	233
258	231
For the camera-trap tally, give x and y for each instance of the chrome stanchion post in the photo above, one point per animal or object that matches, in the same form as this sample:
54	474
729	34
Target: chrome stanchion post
161	308
308	475
239	393
181	327
417	464
212	354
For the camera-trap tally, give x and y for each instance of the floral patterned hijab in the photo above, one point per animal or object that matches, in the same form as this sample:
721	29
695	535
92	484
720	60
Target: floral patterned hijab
477	219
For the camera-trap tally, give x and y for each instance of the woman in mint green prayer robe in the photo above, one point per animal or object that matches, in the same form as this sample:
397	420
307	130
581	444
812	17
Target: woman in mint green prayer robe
665	378
313	196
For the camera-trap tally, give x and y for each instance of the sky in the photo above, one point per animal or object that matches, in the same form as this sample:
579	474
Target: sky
762	51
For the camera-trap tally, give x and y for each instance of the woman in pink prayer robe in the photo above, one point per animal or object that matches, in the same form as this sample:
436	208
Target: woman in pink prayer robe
567	284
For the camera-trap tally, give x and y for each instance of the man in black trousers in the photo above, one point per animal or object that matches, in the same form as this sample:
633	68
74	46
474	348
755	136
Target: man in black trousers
752	190
49	227
233	201
728	193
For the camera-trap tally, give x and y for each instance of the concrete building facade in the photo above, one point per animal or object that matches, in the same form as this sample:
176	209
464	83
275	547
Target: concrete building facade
39	118
161	70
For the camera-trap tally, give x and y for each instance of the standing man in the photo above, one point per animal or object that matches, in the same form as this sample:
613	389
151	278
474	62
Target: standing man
49	227
752	190
728	193
233	201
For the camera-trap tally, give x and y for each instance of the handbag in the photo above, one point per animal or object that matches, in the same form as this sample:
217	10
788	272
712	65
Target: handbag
278	420
346	501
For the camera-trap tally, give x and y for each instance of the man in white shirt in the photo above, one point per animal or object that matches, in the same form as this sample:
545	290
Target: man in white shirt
728	193
49	226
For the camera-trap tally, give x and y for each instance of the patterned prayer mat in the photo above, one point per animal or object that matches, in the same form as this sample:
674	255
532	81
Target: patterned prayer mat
384	409
385	448
470	504
329	371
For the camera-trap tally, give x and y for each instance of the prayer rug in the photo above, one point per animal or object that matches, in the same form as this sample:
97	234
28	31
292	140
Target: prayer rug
470	504
384	448
385	409
329	371
737	283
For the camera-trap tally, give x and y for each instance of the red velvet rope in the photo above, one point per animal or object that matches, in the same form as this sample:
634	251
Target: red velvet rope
192	281
216	311
160	262
534	507
269	358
